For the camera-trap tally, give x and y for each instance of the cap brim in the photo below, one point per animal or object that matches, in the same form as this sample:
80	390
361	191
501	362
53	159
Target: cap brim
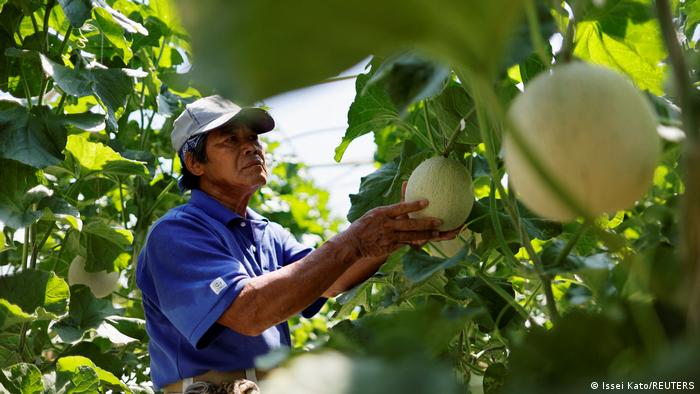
256	118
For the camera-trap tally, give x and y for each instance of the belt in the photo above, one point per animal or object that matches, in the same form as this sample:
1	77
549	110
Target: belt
216	377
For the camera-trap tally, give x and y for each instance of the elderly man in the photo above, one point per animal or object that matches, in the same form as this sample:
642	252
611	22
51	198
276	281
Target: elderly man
219	281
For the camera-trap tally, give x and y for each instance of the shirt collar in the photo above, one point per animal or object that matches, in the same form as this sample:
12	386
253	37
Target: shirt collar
218	211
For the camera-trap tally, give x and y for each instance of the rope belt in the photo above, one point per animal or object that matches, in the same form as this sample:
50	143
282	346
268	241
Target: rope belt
215	377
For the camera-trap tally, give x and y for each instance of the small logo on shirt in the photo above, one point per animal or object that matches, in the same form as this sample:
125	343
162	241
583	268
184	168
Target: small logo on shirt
217	285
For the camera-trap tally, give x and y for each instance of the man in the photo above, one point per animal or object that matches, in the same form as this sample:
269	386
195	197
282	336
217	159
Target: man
218	280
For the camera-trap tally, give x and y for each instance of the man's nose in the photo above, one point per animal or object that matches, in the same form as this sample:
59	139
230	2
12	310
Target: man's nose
250	147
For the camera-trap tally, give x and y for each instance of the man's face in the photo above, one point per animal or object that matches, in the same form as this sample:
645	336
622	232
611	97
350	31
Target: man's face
235	159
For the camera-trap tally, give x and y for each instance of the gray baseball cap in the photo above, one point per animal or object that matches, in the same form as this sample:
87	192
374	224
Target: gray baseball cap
211	112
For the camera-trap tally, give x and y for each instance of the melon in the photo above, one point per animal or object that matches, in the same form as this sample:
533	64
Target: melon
447	185
101	283
450	247
592	131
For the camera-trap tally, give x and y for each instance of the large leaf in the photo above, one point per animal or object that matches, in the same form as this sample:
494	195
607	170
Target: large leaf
80	380
113	33
454	112
31	289
371	111
74	363
11	314
372	189
409	78
314	40
85	312
17	179
96	157
34	137
104	244
419	266
625	36
22	379
111	86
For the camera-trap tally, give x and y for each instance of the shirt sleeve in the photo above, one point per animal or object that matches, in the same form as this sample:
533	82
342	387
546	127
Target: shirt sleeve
195	277
295	251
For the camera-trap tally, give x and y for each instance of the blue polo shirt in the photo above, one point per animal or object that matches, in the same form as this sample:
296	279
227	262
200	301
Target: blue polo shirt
196	260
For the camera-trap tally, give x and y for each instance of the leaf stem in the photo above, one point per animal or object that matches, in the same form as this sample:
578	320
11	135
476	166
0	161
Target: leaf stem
535	35
25	248
690	207
567	48
456	132
572	242
37	246
428	128
121	202
65	40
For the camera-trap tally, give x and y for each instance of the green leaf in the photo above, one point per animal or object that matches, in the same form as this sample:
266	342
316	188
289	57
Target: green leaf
34	137
691	8
111	86
325	39
17	180
104	244
77	11
74	363
480	221
32	289
11	314
97	157
129	326
22	379
113	33
625	36
372	110
81	380
419	266
372	189
409	78
2	3
85	312
452	107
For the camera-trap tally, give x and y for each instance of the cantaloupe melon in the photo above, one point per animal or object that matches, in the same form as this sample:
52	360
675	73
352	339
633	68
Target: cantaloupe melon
593	131
101	283
447	185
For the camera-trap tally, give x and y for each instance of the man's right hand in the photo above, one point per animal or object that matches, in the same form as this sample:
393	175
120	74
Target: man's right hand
382	230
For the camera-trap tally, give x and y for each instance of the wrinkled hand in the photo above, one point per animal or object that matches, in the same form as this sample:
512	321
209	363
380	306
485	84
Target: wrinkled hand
382	230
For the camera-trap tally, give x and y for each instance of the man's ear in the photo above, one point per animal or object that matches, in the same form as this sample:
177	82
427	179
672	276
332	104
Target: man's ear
193	166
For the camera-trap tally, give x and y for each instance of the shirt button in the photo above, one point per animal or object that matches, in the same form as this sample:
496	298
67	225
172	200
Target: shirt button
242	224
254	249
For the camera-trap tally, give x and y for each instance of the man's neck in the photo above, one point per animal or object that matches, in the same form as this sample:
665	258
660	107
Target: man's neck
235	200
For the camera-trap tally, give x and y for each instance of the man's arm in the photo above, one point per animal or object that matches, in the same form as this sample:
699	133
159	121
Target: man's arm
272	298
359	272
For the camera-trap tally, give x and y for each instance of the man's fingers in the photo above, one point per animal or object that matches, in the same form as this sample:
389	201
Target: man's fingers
411	236
405	224
451	234
403	208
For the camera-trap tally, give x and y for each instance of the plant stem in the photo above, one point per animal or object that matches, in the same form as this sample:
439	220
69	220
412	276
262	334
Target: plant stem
22	341
65	40
34	24
535	35
427	126
456	132
690	206
32	241
567	48
61	102
47	15
121	202
26	86
25	248
571	243
37	246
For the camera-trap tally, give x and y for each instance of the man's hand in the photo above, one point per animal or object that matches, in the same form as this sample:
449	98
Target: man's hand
382	230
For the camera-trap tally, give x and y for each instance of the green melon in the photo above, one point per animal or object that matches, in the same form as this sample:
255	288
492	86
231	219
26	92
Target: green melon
447	185
101	283
593	131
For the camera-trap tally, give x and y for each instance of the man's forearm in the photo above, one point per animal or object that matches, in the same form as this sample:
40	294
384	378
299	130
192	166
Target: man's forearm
360	271
272	298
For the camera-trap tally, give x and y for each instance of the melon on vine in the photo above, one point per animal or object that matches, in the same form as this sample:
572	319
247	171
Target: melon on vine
592	131
101	283
447	185
450	247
